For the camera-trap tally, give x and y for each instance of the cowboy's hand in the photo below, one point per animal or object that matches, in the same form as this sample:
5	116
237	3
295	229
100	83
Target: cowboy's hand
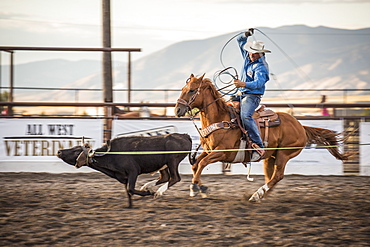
239	83
249	32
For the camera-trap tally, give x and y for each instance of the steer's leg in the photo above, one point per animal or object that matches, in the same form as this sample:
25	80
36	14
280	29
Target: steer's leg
173	168
132	177
123	179
164	177
129	196
173	176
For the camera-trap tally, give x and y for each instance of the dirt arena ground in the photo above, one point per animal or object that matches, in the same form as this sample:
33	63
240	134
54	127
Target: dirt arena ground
41	209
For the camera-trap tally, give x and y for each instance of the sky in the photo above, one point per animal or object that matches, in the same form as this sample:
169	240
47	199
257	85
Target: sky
155	24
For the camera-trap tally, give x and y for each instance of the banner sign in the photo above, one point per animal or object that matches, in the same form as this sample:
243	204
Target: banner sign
26	142
365	149
31	144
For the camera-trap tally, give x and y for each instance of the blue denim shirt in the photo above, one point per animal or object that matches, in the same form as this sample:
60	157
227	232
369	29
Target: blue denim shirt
254	74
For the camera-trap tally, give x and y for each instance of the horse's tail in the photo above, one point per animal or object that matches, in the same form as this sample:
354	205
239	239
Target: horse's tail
325	137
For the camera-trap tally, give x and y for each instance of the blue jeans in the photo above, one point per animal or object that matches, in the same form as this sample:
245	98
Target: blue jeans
249	103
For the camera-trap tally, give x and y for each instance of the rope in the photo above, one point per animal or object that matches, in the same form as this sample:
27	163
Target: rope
228	83
228	150
304	75
225	71
223	48
218	74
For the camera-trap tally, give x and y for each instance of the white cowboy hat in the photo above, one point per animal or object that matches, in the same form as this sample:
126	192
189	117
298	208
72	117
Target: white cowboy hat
256	47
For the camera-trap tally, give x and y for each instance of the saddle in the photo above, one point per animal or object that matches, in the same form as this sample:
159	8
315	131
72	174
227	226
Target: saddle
266	117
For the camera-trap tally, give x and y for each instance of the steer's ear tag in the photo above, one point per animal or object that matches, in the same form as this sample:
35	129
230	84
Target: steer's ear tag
81	160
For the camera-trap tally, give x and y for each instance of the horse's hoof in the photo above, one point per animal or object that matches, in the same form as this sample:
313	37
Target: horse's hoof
194	190
204	191
255	197
259	194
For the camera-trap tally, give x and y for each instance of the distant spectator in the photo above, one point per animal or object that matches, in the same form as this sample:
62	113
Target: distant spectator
4	111
324	110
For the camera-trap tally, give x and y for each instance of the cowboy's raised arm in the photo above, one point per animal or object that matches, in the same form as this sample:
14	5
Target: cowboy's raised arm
242	39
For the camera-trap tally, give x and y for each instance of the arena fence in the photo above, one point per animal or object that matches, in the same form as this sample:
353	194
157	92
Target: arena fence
35	139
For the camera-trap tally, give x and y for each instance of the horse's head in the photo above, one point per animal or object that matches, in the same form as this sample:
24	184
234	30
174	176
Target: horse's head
190	96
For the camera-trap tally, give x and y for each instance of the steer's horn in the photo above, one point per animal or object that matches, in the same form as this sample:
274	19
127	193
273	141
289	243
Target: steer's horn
83	140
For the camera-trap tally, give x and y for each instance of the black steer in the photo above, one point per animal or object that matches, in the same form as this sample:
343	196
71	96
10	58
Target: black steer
126	167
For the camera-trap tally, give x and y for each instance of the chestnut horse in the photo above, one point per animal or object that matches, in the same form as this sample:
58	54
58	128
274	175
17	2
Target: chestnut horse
290	137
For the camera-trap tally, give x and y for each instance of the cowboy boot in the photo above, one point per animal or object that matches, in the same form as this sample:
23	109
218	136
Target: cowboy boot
257	153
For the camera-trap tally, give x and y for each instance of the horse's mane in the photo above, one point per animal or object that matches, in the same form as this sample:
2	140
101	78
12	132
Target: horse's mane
221	103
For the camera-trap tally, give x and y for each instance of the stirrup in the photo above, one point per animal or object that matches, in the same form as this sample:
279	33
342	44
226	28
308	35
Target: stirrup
255	156
257	153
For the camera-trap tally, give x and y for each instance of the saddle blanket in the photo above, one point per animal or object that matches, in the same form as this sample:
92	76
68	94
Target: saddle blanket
240	156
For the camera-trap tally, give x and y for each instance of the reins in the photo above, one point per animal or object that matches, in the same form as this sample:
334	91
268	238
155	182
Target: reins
192	99
202	133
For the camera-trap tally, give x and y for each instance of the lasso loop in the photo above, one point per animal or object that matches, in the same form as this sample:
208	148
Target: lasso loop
226	77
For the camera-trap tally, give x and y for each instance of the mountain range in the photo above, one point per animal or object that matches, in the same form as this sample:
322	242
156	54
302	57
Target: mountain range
302	58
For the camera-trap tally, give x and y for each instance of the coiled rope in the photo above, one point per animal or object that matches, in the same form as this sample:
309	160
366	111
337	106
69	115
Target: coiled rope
227	75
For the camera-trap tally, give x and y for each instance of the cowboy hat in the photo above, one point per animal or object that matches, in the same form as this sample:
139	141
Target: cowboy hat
256	47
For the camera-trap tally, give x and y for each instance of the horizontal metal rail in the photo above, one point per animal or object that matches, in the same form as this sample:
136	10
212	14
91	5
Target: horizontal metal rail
90	89
24	48
100	104
82	104
178	90
362	118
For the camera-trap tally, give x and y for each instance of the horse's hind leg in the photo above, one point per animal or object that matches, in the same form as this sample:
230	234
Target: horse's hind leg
282	158
268	166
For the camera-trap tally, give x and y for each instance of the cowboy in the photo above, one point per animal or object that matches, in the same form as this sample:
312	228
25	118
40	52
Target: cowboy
251	87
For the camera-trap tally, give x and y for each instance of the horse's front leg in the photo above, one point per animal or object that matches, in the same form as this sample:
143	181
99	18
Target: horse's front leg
196	186
196	164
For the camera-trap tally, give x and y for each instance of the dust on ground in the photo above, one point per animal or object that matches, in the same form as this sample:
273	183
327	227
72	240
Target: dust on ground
89	209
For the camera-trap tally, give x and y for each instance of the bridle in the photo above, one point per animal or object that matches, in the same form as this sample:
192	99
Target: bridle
192	98
187	104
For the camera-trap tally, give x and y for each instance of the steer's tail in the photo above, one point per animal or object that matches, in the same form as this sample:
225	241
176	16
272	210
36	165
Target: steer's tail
193	155
325	137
